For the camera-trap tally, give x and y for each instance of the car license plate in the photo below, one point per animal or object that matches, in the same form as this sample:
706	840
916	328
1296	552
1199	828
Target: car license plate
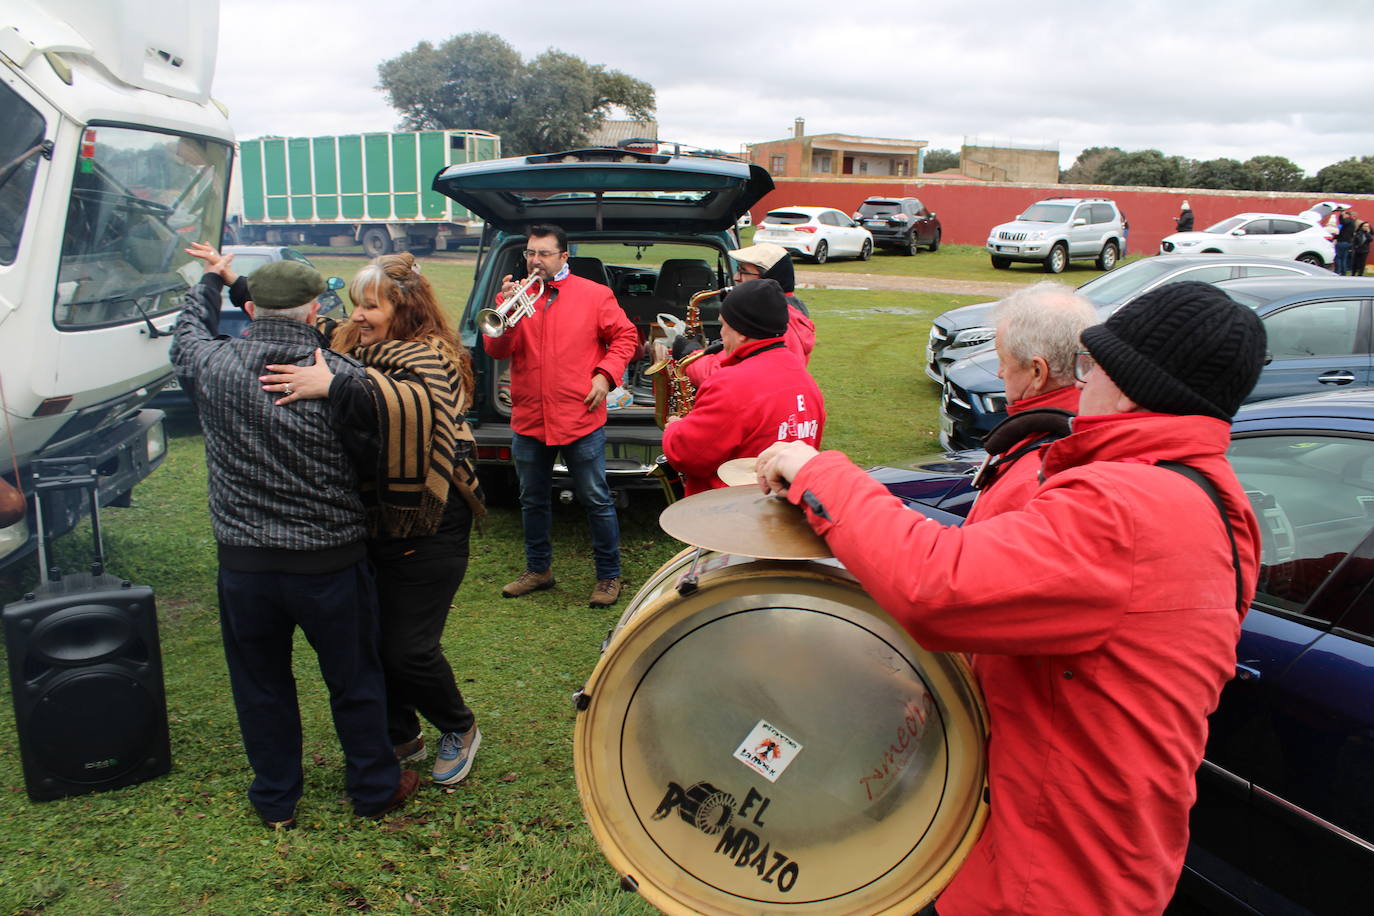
930	356
173	385
879	223
1011	248
946	425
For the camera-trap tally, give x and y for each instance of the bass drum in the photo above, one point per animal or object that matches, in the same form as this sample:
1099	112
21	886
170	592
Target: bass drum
773	742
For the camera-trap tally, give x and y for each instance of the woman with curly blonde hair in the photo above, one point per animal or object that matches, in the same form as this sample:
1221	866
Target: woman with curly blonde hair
406	423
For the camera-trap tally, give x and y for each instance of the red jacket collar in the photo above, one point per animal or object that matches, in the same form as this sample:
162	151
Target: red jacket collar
749	349
1146	437
1065	398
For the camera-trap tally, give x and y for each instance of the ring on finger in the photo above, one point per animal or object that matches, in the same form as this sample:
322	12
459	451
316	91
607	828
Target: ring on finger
287	390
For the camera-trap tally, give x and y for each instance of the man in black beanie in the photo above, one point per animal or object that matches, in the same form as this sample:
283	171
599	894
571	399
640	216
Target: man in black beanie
1102	615
762	393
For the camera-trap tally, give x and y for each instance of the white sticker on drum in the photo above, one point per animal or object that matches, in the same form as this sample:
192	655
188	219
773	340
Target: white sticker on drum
767	751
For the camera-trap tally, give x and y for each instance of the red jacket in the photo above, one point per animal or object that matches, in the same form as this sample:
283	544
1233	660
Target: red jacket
1018	481
761	395
800	339
555	352
1104	617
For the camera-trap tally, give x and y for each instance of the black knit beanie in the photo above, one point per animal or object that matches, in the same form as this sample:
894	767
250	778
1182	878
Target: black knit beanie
756	309
1184	348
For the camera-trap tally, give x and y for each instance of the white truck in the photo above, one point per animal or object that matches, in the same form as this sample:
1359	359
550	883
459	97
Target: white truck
113	157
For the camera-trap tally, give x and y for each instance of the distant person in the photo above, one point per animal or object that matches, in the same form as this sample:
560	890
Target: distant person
1184	221
405	422
760	394
1037	342
1359	250
290	528
565	359
1345	241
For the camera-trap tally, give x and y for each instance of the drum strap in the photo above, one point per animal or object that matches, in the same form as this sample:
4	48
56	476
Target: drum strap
1210	489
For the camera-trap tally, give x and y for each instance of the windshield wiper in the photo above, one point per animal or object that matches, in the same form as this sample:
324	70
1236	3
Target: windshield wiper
133	296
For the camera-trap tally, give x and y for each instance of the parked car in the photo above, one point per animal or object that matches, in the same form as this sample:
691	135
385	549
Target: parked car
234	321
1057	230
1284	818
1275	235
818	233
655	228
1319	338
968	330
901	223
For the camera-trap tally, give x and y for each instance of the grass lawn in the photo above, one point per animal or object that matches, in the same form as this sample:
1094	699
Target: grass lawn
511	839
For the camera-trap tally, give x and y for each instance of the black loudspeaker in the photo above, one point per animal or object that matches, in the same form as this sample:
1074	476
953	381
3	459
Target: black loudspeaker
86	675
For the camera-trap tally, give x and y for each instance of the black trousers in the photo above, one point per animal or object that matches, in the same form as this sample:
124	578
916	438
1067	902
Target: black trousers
416	582
337	612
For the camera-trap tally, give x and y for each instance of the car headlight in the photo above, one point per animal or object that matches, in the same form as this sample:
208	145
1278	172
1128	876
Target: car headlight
995	403
1038	235
972	337
14	536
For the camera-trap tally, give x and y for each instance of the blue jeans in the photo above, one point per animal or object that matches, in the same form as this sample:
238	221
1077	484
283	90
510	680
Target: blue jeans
586	462
1342	265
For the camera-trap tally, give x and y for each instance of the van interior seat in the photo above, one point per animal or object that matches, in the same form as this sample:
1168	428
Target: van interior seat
680	278
589	269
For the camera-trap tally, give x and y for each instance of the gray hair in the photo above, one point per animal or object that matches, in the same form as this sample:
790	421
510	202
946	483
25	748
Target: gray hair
1044	320
299	313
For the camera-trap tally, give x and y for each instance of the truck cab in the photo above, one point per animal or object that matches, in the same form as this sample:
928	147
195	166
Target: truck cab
113	159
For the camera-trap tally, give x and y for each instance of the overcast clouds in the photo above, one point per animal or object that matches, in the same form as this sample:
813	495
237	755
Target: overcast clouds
1199	79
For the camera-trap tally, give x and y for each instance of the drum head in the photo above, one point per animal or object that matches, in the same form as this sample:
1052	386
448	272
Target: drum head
774	743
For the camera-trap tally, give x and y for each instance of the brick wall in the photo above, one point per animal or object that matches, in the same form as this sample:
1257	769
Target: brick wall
967	210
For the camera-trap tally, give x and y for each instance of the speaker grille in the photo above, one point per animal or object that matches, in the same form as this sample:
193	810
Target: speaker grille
93	725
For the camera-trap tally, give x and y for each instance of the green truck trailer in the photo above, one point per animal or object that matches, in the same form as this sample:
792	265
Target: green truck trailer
370	189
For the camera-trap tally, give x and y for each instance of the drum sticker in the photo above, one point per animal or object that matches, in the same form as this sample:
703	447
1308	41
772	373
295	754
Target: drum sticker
767	751
907	738
715	812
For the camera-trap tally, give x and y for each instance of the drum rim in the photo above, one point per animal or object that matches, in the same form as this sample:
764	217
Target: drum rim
650	883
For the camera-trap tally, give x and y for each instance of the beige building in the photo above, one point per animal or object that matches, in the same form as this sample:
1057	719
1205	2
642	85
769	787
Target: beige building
837	155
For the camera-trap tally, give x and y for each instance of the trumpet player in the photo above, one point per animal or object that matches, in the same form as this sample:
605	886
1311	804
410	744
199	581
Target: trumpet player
760	395
565	357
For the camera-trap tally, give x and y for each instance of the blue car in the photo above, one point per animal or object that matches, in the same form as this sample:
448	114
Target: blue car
1284	820
1319	331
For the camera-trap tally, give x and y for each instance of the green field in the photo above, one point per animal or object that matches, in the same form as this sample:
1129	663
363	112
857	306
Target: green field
511	839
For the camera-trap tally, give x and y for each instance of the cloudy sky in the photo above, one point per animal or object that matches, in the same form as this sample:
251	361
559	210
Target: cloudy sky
1197	78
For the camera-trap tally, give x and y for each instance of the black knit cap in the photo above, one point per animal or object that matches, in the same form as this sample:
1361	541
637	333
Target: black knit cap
1184	348
757	309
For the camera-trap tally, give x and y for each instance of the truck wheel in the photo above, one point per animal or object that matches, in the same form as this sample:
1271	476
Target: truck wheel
1000	263
376	242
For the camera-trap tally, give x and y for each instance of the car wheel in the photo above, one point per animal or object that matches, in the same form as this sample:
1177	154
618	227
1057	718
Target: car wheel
376	242
1001	263
935	242
1107	259
822	252
911	247
1311	257
1058	259
866	251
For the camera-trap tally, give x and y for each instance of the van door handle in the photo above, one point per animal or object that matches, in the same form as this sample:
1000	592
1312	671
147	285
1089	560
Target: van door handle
1246	672
1337	377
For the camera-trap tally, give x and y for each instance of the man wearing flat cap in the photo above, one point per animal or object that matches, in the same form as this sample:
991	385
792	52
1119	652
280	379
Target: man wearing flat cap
761	394
289	529
1102	614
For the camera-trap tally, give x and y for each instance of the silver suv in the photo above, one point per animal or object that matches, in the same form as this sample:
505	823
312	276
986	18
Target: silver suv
1057	230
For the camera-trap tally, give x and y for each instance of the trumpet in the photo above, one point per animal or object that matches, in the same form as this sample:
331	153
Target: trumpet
497	321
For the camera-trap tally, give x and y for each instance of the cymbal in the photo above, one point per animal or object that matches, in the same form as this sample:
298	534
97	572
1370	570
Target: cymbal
738	471
744	522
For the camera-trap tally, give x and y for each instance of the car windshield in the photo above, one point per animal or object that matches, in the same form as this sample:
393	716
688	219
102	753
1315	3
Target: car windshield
138	197
1225	226
878	207
1123	282
788	218
1046	213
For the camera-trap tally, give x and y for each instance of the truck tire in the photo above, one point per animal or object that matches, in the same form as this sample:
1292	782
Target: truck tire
376	241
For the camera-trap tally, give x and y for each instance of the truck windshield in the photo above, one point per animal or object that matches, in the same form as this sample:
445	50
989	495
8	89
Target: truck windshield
139	197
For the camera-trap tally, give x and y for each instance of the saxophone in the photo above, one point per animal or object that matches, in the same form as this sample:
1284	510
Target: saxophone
674	393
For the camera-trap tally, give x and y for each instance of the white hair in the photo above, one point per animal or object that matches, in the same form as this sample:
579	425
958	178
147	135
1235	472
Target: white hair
1044	320
297	313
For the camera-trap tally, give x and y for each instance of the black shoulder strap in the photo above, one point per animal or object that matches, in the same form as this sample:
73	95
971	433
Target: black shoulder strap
1210	489
1051	422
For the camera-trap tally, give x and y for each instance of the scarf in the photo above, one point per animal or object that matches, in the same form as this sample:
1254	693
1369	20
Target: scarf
427	447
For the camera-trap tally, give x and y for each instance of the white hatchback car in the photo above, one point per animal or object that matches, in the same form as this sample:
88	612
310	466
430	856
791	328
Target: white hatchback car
818	233
1274	235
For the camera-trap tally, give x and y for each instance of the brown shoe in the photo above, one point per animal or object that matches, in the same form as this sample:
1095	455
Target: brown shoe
412	750
606	593
408	786
528	581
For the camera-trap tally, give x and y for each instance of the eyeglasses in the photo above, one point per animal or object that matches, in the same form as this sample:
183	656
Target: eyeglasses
1083	363
748	271
531	253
